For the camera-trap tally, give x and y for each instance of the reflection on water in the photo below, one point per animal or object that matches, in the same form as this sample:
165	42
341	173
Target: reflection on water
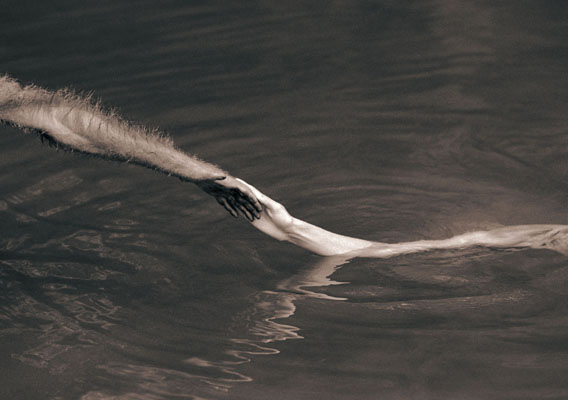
65	333
391	121
265	324
435	288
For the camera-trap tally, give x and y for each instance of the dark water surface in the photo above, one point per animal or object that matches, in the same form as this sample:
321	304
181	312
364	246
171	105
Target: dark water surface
387	120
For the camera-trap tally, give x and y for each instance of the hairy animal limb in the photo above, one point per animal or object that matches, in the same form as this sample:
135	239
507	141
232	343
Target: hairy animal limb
76	123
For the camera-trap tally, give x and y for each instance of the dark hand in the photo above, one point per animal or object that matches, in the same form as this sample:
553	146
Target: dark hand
275	220
235	196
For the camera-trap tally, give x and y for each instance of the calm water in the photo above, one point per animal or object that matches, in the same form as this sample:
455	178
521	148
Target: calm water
387	120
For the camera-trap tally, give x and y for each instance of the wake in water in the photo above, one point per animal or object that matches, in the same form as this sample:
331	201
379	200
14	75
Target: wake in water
275	221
